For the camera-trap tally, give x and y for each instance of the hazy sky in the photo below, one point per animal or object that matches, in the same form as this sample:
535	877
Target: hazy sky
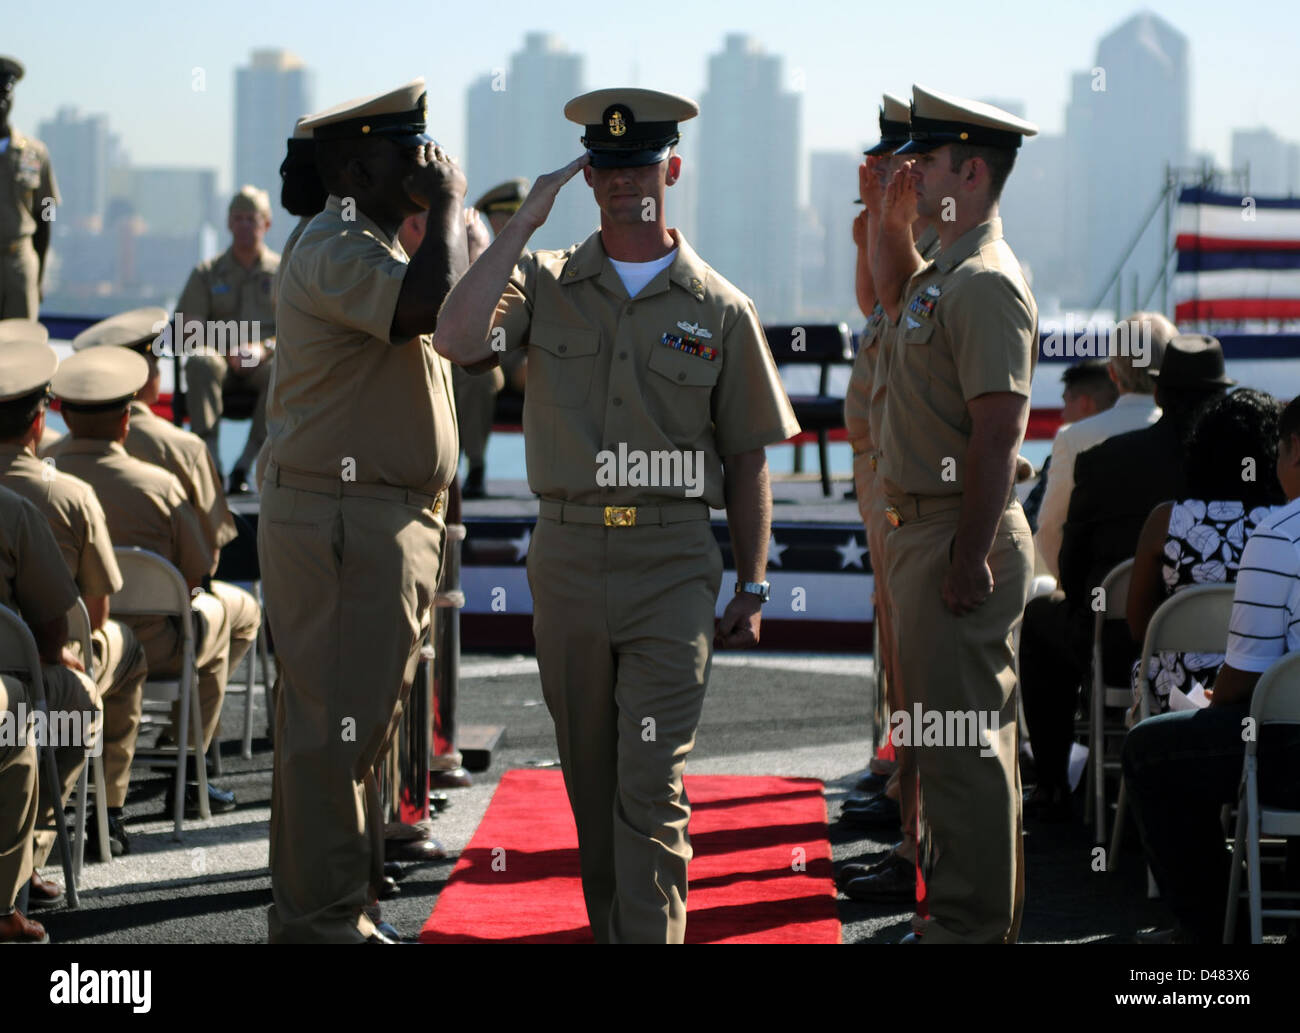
134	60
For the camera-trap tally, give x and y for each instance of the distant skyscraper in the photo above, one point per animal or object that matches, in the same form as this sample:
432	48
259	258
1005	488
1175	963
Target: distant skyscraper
80	150
515	126
1127	119
171	202
1272	161
271	93
827	288
748	152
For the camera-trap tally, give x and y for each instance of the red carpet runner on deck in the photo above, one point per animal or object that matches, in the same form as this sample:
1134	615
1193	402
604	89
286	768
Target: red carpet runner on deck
750	835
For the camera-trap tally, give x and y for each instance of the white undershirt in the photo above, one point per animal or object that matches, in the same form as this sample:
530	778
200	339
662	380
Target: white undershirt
635	275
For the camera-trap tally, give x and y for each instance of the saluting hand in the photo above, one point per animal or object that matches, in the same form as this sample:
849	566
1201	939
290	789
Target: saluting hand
871	183
537	205
898	211
476	234
738	627
438	181
967	586
860	229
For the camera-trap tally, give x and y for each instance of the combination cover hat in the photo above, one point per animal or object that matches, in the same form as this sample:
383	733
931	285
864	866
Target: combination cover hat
629	127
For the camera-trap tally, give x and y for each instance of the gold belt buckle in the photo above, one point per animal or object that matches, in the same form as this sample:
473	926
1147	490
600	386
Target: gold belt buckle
875	460
620	516
893	516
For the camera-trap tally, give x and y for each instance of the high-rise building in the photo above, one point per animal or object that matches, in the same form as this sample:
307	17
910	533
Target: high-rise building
827	287
515	126
1273	162
1127	120
171	202
81	149
748	147
271	93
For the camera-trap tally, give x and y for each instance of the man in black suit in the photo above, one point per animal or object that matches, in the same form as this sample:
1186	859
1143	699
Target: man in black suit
1116	485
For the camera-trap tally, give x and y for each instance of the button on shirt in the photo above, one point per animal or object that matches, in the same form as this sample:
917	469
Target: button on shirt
969	327
682	367
221	289
342	396
73	513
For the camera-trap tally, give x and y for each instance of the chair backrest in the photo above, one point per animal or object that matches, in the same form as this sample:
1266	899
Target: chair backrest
79	632
151	586
809	343
1192	620
18	652
1276	699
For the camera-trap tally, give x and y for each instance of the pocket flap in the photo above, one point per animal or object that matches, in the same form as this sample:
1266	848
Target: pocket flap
564	342
681	368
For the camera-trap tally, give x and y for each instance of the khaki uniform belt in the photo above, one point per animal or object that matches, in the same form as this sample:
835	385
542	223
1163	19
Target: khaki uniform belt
621	516
861	448
340	488
904	508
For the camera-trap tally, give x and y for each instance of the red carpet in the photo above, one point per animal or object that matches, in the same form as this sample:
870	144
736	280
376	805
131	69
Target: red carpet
518	879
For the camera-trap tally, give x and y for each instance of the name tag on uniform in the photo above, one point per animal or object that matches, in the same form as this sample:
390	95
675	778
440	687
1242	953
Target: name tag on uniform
689	344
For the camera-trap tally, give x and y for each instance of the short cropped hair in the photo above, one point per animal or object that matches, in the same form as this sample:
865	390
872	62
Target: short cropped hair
1000	161
1091	377
99	426
17	414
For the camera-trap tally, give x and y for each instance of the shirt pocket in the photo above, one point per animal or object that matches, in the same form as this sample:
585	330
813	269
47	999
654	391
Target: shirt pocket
680	391
561	363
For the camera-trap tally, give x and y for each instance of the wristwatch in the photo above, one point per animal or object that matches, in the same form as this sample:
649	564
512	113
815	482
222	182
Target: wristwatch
759	588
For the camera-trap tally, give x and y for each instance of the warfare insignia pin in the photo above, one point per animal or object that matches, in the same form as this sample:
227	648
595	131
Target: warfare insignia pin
693	328
934	290
912	324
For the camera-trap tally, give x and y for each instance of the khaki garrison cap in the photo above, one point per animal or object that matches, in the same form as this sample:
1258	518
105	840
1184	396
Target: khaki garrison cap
894	118
504	197
99	379
25	368
629	127
15	331
136	329
11	69
400	114
940	118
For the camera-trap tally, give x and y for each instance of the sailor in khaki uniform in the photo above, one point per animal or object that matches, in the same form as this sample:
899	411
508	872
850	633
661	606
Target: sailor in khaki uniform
21	330
864	405
28	196
476	394
232	296
638	349
36	585
145	507
74	515
960	553
17	816
152	439
351	531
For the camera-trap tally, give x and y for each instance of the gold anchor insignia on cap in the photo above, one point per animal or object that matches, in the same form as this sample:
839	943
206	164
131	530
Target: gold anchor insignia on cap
365	129
617	126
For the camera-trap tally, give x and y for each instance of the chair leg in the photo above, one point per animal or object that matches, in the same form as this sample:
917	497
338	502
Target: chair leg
197	720
101	809
79	837
1097	757
1118	833
50	772
246	746
1234	878
182	752
1252	860
824	457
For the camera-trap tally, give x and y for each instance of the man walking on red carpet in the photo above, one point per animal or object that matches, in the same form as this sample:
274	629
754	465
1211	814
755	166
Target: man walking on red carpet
639	355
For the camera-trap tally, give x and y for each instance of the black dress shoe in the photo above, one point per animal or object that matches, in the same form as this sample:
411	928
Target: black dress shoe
474	486
870	784
880	810
894	883
1049	805
849	872
439	801
388	888
393	870
238	482
118	841
219	800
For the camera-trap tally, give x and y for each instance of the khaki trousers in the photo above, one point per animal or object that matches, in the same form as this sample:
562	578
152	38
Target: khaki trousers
623	619
17	794
204	377
66	691
871	507
476	397
970	849
20	274
244	616
120	671
348	582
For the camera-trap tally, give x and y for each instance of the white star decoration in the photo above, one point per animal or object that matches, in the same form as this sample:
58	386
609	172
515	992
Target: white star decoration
521	544
774	552
851	553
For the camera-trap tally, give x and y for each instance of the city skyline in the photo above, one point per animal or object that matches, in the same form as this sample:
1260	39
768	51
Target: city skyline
1022	53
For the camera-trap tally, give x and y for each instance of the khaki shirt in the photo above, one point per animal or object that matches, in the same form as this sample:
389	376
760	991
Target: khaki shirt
294	234
683	367
26	180
344	401
221	289
33	578
154	440
73	512
969	327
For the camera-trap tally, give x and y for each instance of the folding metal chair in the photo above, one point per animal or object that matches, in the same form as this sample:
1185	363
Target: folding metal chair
1114	588
79	631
